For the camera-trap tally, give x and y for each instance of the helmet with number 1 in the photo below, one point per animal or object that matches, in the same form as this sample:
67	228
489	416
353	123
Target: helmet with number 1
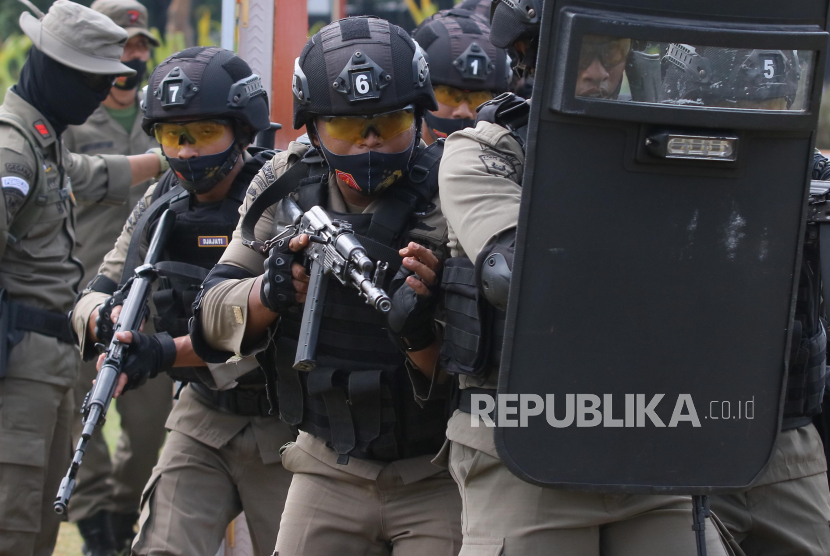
464	67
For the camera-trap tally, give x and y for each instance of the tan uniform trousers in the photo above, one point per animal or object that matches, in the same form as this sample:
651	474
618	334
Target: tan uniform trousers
789	515
197	489
116	484
505	516
334	513
34	456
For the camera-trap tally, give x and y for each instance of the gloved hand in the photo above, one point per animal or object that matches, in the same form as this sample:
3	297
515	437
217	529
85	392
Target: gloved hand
414	293
278	292
147	356
103	322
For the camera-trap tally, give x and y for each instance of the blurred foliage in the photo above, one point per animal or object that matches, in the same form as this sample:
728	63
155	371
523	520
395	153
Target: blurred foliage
15	48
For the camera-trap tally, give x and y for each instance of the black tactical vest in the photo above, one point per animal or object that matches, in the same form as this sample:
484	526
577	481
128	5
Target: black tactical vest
359	398
474	329
201	234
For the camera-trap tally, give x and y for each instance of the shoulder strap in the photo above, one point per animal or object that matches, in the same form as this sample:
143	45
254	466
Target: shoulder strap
133	252
271	195
29	214
391	219
509	111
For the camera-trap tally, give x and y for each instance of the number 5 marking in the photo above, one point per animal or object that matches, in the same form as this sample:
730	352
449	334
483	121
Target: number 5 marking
769	69
173	90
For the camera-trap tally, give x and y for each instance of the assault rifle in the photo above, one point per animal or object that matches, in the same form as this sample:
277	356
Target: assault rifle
132	315
332	251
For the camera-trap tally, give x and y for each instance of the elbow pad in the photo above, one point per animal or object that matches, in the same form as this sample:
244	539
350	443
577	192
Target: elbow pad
494	268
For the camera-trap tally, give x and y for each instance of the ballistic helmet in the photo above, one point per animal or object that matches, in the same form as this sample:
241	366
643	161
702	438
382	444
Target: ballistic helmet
358	66
460	53
206	82
716	76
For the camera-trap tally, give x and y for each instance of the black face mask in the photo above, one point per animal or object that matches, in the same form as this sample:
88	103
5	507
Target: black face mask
202	173
62	94
371	172
442	127
133	81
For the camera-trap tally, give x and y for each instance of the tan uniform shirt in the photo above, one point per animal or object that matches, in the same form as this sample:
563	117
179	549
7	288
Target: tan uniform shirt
480	187
189	416
40	269
225	306
99	223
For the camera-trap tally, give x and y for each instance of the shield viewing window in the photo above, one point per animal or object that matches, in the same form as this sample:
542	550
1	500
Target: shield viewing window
620	69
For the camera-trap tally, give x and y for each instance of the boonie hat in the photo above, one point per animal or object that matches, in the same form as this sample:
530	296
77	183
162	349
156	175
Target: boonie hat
78	37
129	14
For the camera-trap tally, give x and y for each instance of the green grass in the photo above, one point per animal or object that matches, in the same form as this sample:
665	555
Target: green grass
69	540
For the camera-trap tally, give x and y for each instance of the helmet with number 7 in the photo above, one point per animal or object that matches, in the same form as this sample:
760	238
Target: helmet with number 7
203	83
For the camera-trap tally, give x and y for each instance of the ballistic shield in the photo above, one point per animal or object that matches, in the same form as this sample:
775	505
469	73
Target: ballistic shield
664	203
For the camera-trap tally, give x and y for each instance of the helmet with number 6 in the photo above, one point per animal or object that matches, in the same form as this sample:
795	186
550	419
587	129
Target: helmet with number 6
360	65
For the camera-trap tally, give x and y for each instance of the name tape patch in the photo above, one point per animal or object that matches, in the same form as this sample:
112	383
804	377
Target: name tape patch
213	241
13	182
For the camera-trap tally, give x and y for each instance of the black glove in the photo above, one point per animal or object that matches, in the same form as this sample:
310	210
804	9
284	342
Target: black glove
103	322
146	356
277	292
412	317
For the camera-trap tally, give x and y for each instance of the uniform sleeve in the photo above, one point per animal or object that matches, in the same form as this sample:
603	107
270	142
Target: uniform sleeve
111	268
224	308
17	178
98	178
480	177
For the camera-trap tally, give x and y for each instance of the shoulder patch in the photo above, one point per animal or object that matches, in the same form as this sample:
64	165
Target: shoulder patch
21	169
13	182
40	127
498	165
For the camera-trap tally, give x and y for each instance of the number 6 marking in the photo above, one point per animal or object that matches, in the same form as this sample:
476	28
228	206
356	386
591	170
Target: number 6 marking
361	83
769	69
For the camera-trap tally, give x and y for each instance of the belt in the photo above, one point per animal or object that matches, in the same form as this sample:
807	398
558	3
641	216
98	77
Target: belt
240	401
41	321
465	401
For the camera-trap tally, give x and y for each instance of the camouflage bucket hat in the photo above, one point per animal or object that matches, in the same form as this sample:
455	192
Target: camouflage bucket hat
129	14
79	38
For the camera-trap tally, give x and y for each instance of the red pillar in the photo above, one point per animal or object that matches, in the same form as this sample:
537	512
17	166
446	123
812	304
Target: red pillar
290	36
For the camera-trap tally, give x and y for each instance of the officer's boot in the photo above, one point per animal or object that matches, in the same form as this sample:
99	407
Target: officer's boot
123	528
97	534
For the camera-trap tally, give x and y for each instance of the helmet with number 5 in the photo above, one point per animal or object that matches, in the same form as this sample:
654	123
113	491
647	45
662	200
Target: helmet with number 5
730	77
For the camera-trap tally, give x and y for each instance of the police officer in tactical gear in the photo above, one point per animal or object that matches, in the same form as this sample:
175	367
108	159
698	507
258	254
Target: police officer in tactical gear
480	179
363	482
465	68
105	499
69	71
204	106
787	510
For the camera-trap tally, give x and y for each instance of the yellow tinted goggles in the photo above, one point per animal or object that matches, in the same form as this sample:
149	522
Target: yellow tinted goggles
355	129
454	97
201	133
